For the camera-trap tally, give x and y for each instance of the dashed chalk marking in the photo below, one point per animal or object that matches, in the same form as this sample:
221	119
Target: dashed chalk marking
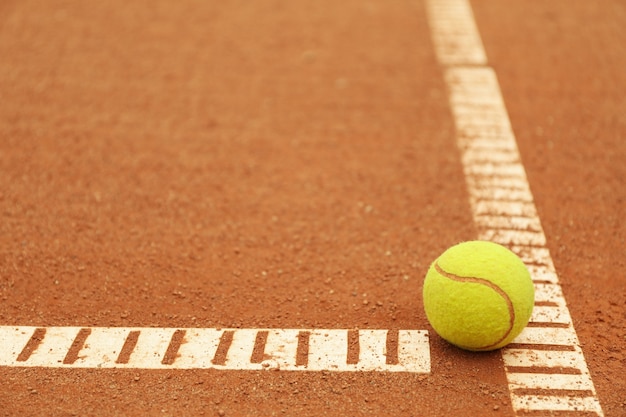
228	349
545	366
455	36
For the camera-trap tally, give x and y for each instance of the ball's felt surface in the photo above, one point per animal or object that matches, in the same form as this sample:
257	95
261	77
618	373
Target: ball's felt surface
478	295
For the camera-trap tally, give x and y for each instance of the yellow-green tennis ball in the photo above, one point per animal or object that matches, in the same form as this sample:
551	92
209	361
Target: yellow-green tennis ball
478	295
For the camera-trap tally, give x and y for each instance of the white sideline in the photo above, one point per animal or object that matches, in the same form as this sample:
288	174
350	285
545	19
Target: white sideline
547	355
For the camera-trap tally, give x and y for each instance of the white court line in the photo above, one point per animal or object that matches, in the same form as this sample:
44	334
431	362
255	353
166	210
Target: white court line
546	358
103	347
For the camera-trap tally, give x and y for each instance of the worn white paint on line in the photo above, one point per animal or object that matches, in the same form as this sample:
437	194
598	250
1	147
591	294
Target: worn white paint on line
543	273
490	169
503	208
509	237
103	347
516	357
497	184
549	293
372	349
412	356
487	222
502	163
281	349
327	350
548	336
13	341
456	38
549	403
534	255
241	349
485	137
54	347
150	348
198	348
549	314
555	381
483	193
550	305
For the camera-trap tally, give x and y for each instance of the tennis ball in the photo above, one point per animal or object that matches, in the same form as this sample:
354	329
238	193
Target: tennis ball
478	295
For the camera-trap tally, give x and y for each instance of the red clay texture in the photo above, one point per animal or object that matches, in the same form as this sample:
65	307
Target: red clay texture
289	164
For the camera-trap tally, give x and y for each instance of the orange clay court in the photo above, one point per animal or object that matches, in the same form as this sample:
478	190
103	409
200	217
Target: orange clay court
229	208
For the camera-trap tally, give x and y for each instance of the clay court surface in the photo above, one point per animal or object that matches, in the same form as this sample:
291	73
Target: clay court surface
290	165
